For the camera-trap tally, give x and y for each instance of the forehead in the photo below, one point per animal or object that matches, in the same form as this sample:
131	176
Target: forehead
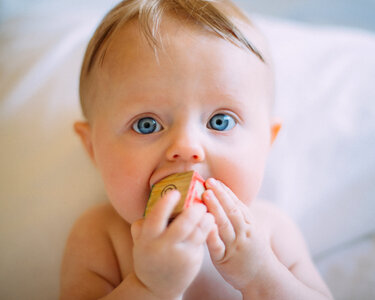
190	58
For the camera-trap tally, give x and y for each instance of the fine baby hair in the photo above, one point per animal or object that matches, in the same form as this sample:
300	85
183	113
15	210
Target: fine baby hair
217	16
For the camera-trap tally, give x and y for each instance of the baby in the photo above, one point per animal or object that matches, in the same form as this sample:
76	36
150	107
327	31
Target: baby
169	86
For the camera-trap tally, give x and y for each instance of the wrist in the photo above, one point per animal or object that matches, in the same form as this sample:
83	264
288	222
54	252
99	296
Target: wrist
153	294
262	285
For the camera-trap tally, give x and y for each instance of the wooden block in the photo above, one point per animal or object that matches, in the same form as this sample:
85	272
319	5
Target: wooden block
190	185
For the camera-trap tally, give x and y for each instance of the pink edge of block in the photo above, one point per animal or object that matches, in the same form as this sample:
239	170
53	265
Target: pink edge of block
191	198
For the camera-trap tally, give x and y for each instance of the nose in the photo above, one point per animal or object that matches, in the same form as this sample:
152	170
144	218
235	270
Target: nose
185	147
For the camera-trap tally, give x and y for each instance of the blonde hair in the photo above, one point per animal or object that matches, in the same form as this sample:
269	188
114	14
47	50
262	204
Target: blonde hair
216	15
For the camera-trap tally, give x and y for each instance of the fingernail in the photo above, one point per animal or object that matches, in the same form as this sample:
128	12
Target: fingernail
210	183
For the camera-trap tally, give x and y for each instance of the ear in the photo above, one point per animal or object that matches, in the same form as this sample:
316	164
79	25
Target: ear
275	128
84	131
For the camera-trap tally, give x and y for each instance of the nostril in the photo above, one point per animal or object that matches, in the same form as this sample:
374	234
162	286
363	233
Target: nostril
175	156
195	156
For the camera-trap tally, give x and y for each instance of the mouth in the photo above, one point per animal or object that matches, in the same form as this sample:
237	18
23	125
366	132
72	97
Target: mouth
155	178
160	178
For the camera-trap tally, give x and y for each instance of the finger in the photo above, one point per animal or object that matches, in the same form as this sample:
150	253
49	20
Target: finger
248	217
201	231
225	228
215	245
136	229
232	210
184	224
156	220
230	193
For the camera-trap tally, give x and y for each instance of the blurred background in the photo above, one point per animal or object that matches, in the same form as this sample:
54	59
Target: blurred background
348	13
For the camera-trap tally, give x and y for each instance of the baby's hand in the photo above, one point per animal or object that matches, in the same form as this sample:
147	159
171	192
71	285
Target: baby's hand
238	249
168	258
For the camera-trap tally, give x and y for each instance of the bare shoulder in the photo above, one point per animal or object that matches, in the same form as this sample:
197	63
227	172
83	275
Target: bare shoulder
286	239
288	244
90	258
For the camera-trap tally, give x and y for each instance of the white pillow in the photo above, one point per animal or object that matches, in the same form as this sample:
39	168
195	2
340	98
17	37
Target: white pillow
322	175
46	179
322	170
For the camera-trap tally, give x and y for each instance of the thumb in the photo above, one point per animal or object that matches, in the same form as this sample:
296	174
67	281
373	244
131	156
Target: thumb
136	229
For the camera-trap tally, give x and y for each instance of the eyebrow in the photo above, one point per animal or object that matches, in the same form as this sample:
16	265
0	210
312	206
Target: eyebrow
217	97
225	96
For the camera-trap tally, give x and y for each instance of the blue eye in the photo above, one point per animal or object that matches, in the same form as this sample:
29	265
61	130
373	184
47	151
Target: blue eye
222	122
146	126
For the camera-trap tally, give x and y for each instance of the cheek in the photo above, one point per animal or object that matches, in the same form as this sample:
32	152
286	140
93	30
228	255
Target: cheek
126	176
242	170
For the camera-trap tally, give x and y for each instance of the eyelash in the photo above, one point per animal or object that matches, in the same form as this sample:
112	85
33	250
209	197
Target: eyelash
228	120
154	126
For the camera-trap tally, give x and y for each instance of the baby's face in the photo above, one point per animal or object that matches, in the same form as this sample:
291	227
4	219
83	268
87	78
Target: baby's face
203	107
